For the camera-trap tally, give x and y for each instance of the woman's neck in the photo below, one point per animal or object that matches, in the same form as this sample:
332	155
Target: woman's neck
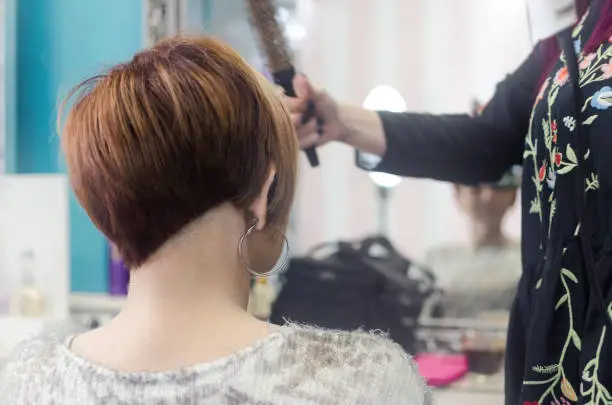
187	303
487	235
198	267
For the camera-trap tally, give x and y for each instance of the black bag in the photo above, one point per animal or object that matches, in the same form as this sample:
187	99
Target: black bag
366	285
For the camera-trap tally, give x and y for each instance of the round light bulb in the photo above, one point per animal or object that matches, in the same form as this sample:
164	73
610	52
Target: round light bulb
385	98
385	180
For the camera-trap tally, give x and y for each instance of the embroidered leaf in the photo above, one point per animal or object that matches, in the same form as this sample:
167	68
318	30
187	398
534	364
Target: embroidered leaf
568	390
535	206
546	129
553	96
546	369
592	183
587	154
567	273
576	340
561	301
577	230
571	155
568	167
610	310
553	211
586	103
538	284
587	373
589	120
564	250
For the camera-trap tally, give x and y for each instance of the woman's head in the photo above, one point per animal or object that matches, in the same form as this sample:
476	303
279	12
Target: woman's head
485	204
183	128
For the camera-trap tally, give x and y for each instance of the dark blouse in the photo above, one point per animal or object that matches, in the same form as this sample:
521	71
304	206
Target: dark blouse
559	347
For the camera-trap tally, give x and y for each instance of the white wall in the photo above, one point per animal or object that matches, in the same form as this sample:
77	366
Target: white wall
34	217
439	54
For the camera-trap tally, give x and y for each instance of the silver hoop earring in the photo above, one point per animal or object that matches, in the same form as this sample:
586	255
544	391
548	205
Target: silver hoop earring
278	267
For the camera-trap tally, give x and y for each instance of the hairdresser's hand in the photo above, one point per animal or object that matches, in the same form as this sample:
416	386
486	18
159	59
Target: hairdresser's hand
331	128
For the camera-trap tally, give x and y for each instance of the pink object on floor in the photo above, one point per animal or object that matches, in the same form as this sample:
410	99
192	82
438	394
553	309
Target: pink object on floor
441	369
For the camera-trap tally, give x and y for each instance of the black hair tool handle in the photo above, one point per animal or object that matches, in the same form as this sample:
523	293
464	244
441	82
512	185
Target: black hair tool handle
284	78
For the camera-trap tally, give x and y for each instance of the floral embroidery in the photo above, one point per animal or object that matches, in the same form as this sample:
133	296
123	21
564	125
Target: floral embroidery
578	27
543	89
591	387
557	158
558	378
571	162
562	76
586	61
607	70
592	182
560	401
542	172
602	100
577	46
551	180
569	122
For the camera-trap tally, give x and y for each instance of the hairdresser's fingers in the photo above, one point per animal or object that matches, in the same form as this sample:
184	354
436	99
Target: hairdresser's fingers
296	120
309	140
295	105
303	88
303	128
306	133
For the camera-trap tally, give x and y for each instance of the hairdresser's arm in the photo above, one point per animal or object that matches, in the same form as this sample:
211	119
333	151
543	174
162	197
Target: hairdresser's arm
456	148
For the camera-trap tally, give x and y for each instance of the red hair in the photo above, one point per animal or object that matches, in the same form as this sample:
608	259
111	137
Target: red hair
161	140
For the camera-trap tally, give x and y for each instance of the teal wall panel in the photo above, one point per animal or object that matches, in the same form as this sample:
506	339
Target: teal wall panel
59	44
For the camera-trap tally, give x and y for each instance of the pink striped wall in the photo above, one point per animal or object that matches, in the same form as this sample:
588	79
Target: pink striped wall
439	54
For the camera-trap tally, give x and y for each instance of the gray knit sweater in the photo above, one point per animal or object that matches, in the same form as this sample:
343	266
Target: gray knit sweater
296	365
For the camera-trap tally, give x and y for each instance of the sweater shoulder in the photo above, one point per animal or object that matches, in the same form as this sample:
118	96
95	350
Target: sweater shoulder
28	365
375	368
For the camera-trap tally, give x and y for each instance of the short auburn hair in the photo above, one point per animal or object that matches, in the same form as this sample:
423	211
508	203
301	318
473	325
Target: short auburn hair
183	127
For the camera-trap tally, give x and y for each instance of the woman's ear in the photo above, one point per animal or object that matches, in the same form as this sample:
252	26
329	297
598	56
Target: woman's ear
259	207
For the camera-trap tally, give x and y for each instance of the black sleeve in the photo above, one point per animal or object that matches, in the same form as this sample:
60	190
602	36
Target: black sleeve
460	148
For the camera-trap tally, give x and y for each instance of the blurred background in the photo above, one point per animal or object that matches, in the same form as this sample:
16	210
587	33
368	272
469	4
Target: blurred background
416	55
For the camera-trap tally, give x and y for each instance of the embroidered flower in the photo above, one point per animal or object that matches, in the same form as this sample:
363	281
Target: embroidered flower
562	76
586	61
558	158
531	403
602	100
553	130
542	172
569	122
543	89
577	46
606	68
610	39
